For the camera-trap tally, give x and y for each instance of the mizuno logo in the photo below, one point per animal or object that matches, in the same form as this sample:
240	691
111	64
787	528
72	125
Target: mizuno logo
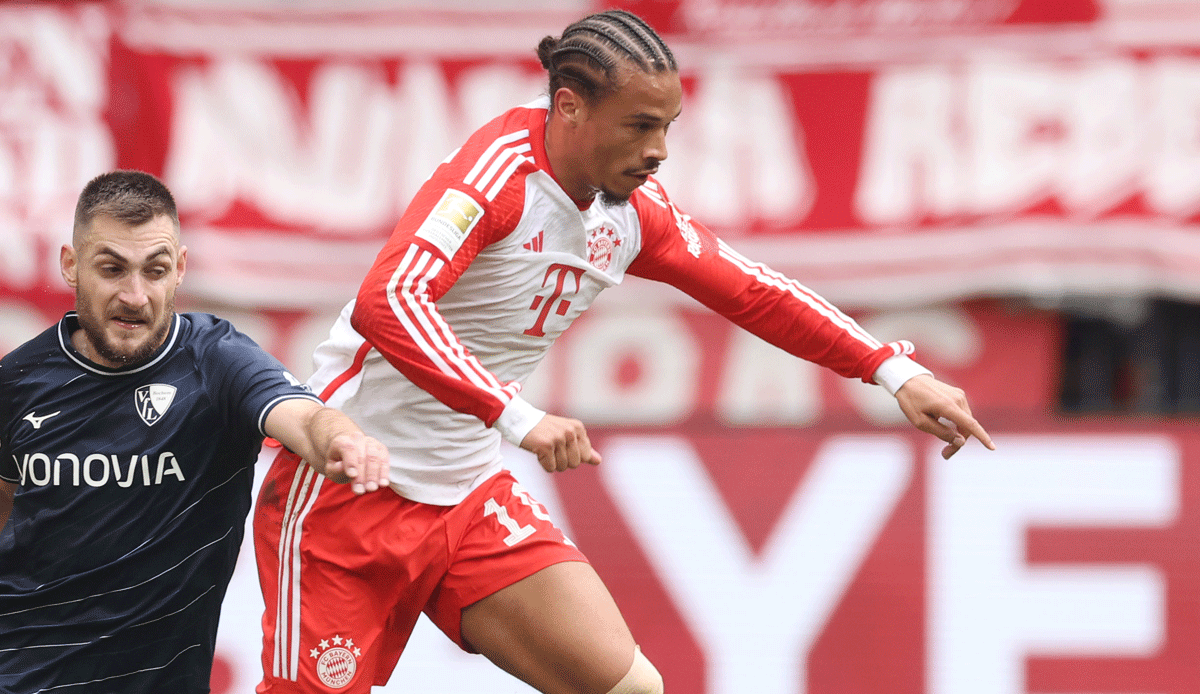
534	244
36	421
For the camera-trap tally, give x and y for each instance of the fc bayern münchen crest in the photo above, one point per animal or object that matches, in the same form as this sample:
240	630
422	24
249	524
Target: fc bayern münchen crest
600	244
336	664
152	401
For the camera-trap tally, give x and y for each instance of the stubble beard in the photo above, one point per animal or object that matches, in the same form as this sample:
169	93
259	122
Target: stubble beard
611	199
95	335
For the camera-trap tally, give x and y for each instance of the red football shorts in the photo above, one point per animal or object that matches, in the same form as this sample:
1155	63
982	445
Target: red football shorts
345	577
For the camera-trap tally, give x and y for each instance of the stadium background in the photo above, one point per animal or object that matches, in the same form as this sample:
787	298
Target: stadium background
1012	184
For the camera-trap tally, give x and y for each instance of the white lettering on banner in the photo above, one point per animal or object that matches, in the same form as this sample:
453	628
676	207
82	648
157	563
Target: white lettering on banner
352	158
657	351
764	385
989	610
53	138
737	153
911	152
239	132
994	136
1173	183
350	163
756	617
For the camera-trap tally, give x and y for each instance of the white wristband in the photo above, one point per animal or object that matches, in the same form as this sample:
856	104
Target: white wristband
895	372
517	420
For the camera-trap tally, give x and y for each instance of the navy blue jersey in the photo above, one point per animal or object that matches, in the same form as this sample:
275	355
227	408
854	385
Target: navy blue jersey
133	489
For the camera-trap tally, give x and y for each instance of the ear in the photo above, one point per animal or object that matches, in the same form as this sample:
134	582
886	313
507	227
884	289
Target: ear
69	265
181	265
568	105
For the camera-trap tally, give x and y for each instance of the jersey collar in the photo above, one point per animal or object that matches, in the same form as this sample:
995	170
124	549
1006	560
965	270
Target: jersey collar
70	323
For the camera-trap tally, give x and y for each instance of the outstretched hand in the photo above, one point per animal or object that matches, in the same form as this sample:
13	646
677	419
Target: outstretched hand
358	460
942	410
560	444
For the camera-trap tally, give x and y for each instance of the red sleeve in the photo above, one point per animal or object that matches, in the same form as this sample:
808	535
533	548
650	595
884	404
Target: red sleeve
680	251
471	201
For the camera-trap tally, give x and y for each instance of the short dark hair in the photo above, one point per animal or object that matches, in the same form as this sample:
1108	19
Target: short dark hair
586	56
132	197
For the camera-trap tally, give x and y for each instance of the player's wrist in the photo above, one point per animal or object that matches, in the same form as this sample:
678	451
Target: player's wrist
895	371
517	420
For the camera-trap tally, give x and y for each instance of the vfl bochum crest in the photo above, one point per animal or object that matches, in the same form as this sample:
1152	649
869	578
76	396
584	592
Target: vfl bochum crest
152	401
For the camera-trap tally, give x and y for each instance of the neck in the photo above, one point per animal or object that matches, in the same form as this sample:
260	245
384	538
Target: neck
566	168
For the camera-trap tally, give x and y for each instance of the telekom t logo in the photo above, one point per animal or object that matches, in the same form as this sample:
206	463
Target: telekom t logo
560	272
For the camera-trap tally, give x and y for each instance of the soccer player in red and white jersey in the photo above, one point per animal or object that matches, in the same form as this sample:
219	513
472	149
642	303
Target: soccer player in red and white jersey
511	239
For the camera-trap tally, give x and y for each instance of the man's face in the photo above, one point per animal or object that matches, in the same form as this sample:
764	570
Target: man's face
124	279
623	135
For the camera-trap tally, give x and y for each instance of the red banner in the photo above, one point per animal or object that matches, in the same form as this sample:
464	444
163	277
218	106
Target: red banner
886	152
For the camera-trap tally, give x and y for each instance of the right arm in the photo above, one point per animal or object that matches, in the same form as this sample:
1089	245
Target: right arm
7	491
396	312
456	213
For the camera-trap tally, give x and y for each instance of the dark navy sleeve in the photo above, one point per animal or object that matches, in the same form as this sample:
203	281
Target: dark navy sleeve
8	466
245	377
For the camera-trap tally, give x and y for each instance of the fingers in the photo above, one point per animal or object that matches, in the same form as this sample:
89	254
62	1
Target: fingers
362	462
942	410
560	444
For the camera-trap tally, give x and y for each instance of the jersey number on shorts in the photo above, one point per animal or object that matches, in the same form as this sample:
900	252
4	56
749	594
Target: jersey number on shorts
516	531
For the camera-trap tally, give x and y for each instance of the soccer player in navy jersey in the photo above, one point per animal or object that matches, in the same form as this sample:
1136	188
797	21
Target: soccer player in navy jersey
128	435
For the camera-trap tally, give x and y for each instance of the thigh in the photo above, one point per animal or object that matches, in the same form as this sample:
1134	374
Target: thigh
343	579
558	630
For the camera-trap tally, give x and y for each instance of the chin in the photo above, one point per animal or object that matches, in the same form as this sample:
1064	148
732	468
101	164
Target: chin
613	199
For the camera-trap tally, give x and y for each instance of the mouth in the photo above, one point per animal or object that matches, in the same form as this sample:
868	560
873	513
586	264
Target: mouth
129	322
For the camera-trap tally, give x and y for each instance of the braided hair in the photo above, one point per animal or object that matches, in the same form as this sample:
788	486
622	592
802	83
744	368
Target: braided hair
587	55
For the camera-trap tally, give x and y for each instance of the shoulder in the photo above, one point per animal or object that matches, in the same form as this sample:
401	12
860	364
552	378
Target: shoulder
498	154
210	337
481	186
668	228
655	211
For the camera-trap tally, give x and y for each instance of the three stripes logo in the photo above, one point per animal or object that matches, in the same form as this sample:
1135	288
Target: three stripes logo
535	243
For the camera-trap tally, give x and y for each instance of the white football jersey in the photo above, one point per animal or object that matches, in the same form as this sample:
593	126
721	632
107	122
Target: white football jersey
489	265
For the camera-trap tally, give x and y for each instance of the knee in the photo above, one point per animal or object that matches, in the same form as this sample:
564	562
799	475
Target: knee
642	677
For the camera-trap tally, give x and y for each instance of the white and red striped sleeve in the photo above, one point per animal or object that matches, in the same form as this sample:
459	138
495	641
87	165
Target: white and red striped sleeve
473	199
681	252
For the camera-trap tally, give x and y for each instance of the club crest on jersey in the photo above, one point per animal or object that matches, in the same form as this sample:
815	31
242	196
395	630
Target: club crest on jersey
451	220
337	661
152	401
601	244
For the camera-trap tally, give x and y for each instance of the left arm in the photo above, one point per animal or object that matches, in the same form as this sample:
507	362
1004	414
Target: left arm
681	252
330	442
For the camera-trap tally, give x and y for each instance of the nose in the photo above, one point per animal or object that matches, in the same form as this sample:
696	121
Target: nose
133	291
657	147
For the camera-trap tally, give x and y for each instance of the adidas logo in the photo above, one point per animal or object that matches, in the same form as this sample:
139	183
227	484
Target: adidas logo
534	244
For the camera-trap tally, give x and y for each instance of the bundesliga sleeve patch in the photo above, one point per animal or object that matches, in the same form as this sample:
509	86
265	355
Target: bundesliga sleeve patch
451	220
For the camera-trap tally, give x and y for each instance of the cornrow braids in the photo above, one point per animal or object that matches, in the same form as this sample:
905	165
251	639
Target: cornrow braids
589	51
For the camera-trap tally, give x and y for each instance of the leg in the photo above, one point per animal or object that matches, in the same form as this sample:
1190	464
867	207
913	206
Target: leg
522	594
343	578
558	630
